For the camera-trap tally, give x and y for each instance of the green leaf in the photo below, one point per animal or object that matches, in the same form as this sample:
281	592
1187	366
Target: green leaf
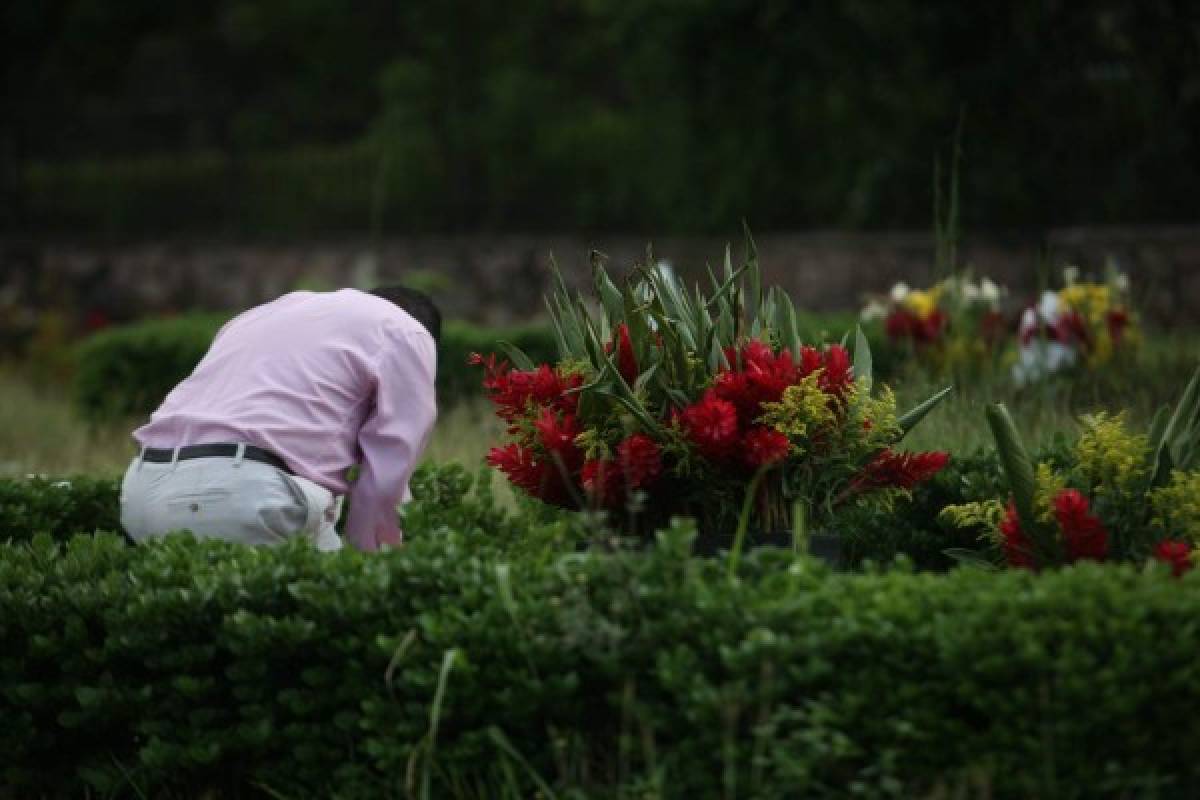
1018	466
862	355
517	356
913	416
606	290
1180	439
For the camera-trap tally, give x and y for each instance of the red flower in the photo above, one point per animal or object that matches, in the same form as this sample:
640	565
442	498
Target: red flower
1117	320
601	479
1018	549
756	375
810	361
839	372
903	324
1071	330
763	446
712	426
993	328
513	391
626	359
1082	531
640	460
558	438
899	325
892	470
538	477
1175	553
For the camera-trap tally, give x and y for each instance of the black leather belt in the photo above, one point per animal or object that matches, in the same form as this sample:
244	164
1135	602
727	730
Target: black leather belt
226	450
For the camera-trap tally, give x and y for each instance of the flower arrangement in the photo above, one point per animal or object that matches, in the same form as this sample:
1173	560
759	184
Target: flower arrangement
951	325
666	401
1086	324
1124	497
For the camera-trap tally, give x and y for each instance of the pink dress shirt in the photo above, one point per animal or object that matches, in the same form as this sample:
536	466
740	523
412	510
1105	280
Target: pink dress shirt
325	381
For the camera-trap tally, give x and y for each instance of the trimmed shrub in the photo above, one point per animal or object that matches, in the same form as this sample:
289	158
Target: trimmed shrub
59	508
457	379
127	371
442	670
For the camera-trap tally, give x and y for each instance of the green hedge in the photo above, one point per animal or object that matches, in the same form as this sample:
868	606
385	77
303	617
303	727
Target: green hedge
59	508
444	670
127	371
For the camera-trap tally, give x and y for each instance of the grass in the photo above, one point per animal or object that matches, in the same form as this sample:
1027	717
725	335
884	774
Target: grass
41	433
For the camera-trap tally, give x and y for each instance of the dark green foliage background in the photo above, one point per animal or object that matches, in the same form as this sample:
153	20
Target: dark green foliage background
270	117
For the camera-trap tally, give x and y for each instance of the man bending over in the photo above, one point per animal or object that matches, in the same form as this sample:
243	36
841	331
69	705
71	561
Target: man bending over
255	445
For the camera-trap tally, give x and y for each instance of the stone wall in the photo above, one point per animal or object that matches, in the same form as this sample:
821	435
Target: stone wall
501	278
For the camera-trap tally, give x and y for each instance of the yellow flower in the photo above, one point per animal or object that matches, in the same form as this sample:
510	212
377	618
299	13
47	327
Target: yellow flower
923	302
1047	485
986	515
1111	458
1091	300
1176	506
803	408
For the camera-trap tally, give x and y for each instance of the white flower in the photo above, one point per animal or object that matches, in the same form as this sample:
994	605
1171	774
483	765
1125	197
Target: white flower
899	292
1049	307
1070	275
874	310
1120	282
989	291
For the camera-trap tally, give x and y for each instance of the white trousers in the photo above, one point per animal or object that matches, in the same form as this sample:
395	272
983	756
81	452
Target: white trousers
227	498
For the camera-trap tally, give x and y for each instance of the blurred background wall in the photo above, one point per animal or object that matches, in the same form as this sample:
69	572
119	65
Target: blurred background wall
216	151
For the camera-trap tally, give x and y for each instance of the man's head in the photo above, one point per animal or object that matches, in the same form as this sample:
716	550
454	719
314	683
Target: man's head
418	305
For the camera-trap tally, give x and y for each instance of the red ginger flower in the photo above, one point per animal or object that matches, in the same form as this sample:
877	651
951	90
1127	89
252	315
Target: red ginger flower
536	476
892	470
712	426
1018	548
640	460
1176	553
512	391
763	446
558	438
601	479
626	360
839	372
1082	531
756	375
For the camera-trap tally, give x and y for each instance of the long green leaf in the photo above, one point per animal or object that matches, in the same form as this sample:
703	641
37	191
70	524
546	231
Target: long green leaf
517	356
609	294
1018	466
862	356
910	419
1176	448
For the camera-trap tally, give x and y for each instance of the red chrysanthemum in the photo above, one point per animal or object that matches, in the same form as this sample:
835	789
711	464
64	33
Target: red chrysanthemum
1176	553
892	470
712	426
904	324
557	436
601	480
810	361
640	460
763	446
1018	549
1083	533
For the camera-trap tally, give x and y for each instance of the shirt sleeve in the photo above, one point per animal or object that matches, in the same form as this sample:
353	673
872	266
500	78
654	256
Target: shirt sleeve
392	438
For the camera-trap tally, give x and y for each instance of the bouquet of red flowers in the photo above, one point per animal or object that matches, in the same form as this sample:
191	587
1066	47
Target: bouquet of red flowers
669	402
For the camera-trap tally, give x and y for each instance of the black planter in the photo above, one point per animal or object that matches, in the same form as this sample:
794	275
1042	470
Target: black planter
827	547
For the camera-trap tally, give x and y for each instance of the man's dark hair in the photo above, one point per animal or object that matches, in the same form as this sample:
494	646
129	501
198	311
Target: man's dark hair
419	306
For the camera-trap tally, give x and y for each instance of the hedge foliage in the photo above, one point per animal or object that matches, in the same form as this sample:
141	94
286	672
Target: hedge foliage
58	508
127	371
446	669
